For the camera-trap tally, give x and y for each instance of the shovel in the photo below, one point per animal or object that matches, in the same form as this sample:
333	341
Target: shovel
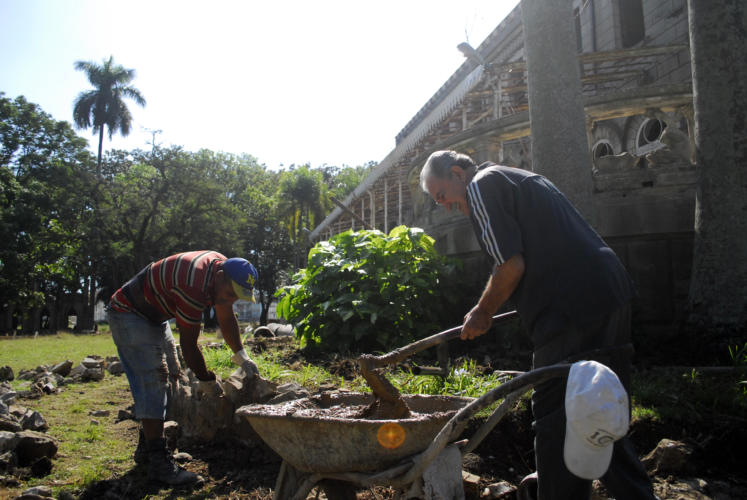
388	402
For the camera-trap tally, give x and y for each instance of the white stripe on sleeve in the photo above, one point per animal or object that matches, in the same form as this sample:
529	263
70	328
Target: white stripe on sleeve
486	230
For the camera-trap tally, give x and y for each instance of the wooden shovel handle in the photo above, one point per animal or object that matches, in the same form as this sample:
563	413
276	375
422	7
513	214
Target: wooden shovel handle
402	353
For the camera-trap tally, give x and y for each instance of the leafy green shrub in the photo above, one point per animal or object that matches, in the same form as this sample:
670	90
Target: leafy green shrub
368	291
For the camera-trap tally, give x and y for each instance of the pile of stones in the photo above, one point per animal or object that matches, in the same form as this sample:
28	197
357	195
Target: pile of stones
25	450
47	379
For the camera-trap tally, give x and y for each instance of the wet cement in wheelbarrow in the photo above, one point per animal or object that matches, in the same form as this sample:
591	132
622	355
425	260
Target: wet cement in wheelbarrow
325	406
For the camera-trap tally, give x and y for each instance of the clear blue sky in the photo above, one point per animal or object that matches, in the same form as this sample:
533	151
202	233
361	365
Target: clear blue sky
285	81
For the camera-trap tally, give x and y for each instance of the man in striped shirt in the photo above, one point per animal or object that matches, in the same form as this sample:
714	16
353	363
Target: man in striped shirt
571	290
178	287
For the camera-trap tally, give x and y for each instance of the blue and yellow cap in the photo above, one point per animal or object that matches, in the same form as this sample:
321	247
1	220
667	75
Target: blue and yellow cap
243	276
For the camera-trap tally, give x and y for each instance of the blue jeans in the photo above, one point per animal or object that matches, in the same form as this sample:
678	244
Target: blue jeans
148	354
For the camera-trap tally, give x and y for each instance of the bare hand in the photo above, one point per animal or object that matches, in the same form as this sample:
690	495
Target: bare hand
476	322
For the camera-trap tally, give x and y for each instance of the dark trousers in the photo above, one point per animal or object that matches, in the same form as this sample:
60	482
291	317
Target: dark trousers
557	340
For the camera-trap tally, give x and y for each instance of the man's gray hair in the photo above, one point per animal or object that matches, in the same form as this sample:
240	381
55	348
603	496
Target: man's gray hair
438	165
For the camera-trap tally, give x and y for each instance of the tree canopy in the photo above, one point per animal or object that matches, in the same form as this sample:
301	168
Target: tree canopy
70	227
43	163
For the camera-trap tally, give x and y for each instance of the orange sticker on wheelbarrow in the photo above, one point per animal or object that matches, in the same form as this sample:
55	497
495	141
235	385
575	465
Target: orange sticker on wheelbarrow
391	435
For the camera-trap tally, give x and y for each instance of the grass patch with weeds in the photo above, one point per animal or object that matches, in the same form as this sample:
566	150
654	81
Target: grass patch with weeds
687	396
271	368
88	451
29	352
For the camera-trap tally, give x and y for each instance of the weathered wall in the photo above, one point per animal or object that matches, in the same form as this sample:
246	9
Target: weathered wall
643	195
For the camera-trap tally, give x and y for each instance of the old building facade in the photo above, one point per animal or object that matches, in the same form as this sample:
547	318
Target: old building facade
635	79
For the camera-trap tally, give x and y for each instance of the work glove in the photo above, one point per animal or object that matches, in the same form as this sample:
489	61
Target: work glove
211	388
241	358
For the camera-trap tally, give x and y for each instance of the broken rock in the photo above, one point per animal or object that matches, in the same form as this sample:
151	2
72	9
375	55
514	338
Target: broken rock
199	420
171	432
91	362
289	392
63	368
7	423
34	445
42	467
7	394
93	374
33	420
471	483
669	457
8	461
126	414
115	368
8	441
42	491
503	489
242	390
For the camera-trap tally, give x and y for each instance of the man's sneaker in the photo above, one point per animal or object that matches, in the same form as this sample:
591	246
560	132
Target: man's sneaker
141	452
162	467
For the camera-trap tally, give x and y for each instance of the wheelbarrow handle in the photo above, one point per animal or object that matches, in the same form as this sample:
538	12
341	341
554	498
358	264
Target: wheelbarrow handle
402	353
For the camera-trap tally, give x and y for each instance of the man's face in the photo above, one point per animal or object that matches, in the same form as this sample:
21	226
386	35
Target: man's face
451	191
224	293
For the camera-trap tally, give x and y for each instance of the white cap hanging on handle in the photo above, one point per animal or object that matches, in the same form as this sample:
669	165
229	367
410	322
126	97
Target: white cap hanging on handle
597	415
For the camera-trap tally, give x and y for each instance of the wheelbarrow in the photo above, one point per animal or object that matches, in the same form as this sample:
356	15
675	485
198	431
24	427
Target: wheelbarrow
323	441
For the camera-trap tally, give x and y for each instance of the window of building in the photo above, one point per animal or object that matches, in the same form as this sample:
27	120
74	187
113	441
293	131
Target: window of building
632	28
648	136
601	149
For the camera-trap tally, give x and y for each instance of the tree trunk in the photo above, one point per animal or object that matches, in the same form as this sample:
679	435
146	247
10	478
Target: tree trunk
718	44
264	312
101	146
560	148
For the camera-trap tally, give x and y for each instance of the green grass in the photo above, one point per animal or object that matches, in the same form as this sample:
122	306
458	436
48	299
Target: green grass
657	395
29	352
90	452
687	397
463	380
271	368
87	451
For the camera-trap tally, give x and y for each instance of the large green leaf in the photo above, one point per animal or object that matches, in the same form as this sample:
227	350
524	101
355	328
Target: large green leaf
394	283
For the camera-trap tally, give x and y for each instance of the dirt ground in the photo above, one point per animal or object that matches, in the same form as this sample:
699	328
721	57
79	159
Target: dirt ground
233	471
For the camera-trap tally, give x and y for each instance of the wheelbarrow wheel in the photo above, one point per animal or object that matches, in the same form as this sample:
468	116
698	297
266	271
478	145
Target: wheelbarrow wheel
338	490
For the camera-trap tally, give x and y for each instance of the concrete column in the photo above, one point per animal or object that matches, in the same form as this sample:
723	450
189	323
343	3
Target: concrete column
386	206
560	149
718	43
399	203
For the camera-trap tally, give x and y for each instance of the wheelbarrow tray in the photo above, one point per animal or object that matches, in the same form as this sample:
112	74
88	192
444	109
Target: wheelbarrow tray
316	442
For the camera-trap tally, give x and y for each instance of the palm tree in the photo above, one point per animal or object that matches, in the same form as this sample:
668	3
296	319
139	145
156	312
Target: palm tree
105	104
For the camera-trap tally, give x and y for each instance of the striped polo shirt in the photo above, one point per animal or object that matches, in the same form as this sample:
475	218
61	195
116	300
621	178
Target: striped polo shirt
179	286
